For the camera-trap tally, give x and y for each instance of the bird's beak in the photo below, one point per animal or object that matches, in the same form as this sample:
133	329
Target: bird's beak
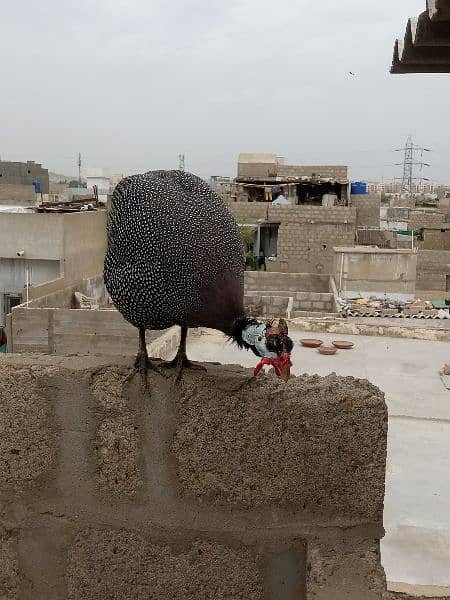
283	366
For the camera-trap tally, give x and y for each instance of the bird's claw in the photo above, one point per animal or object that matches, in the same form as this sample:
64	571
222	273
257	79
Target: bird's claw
181	362
142	365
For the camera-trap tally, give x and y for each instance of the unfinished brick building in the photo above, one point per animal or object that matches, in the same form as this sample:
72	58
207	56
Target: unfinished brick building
298	238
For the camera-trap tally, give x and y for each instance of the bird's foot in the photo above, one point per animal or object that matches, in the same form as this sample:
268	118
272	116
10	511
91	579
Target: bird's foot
181	362
142	365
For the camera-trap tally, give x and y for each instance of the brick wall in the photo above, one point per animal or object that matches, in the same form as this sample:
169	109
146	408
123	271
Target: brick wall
367	209
306	240
402	202
19	173
289	282
436	239
306	235
192	493
249	212
277	304
420	218
433	270
326	171
17	195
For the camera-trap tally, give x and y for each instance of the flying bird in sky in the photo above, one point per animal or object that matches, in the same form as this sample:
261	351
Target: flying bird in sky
176	257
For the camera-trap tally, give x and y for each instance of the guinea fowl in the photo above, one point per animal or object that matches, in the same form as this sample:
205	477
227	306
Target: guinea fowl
176	257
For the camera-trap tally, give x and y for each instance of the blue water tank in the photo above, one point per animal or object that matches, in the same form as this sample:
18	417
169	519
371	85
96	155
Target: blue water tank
359	187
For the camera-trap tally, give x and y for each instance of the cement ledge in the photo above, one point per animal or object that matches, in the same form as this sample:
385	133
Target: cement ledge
405	591
376	329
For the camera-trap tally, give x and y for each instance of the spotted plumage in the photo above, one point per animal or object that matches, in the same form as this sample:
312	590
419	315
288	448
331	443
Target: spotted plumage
175	257
172	243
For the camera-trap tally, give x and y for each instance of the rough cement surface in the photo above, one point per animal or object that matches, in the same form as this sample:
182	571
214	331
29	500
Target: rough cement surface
116	446
107	564
107	389
316	443
27	443
94	532
9	566
338	570
117	440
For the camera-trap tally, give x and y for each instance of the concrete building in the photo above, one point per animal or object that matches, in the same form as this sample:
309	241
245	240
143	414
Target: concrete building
24	174
50	249
96	179
13	194
364	271
297	239
395	187
436	237
433	271
257	174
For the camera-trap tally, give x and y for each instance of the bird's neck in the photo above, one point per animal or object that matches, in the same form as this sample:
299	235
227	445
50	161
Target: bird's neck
237	329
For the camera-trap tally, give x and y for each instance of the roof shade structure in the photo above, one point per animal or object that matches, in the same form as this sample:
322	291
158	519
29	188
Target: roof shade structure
425	48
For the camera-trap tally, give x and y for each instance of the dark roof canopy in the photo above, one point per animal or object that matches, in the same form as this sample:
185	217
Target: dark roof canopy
425	47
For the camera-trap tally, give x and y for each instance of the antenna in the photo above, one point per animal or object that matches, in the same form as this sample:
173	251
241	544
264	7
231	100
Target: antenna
410	151
79	169
181	162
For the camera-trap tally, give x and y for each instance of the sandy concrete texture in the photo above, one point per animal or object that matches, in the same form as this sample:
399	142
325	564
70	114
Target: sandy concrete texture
211	489
277	443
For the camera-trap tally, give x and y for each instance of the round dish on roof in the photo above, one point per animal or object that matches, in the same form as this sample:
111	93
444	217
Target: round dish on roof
311	343
343	345
328	350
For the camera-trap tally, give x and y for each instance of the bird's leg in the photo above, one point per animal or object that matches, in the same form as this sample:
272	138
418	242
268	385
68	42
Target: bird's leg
181	360
142	362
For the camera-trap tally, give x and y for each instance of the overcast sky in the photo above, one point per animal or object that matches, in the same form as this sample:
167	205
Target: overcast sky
132	83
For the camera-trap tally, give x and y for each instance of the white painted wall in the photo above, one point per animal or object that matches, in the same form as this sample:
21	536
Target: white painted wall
13	276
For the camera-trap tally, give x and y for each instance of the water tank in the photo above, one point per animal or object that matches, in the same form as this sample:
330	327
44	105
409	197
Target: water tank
359	187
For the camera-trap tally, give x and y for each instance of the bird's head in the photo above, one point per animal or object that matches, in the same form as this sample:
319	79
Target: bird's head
268	341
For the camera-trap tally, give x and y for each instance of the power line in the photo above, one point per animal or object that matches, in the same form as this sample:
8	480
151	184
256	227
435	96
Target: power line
79	169
181	162
410	152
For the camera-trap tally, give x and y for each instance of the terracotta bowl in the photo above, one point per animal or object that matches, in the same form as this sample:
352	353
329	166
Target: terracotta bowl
311	343
342	345
328	350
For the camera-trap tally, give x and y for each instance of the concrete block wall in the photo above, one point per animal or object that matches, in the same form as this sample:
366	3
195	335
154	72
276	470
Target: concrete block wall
306	240
436	239
66	331
289	282
306	234
249	212
24	173
276	304
339	172
17	195
433	270
418	219
204	490
367	209
402	202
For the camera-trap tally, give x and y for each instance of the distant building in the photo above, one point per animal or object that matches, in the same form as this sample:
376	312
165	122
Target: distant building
395	187
96	179
259	174
48	252
27	173
299	236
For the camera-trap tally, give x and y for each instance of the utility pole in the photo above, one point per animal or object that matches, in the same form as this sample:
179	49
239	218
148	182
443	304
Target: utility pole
411	151
181	162
79	169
